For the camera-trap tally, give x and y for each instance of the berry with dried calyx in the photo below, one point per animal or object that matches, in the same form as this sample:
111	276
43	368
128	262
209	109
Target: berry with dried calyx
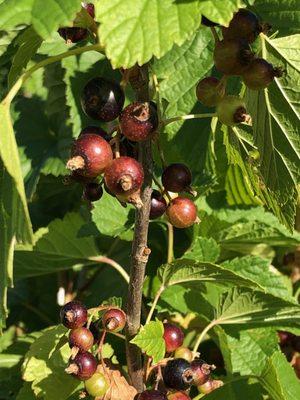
231	110
210	386
82	338
83	366
210	91
176	177
232	56
114	320
158	205
93	192
90	155
185	353
173	337
138	121
182	212
201	371
177	374
125	175
95	130
178	396
151	395
244	25
260	74
131	198
97	385
73	315
102	99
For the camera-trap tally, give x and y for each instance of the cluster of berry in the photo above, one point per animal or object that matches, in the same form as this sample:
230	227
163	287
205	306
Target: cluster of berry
82	337
181	371
234	56
95	152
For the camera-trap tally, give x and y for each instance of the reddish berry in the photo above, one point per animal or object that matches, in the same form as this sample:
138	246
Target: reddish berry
182	212
285	338
102	99
90	155
232	57
177	374
201	371
93	192
178	396
73	315
114	319
173	337
244	25
125	175
210	386
83	366
260	74
210	91
74	34
76	177
90	8
95	130
185	353
151	395
231	110
176	177
97	385
158	205
81	338
207	22
138	121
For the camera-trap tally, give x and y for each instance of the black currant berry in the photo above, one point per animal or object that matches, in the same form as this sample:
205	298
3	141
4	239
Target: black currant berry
151	395
90	155
83	366
201	371
210	91
185	353
182	212
178	396
74	34
128	148
177	374
102	99
94	328
97	385
232	56
93	192
114	320
210	386
173	337
244	25
260	74
158	205
95	130
82	338
231	110
176	177
138	121
207	22
73	315
125	175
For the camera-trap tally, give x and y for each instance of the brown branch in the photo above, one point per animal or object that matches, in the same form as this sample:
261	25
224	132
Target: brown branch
140	252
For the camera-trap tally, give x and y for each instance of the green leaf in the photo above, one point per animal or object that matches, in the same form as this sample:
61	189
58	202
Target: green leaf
239	306
237	390
279	379
150	340
133	31
26	393
113	301
203	249
220	11
15	12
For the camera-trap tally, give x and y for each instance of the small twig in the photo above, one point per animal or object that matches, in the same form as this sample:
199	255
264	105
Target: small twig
155	301
215	34
161	153
170	243
112	263
186	117
203	333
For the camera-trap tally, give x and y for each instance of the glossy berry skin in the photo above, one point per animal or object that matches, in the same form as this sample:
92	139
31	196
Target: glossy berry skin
173	337
124	175
207	22
90	155
73	315
231	110
177	374
138	121
114	320
209	91
102	99
151	395
73	34
176	177
182	212
158	205
185	353
83	366
244	25
178	396
201	372
95	130
232	56
81	338
93	192
97	385
260	74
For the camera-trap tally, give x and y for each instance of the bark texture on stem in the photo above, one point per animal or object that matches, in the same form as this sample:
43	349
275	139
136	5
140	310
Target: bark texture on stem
138	77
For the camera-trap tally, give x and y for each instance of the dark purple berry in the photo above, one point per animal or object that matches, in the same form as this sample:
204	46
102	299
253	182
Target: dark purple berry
210	91
95	130
114	320
94	328
138	121
90	8
260	74
125	175
177	374
173	337
81	338
102	99
73	315
176	177
158	205
74	34
93	192
83	366
244	25
182	212
151	395
201	371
